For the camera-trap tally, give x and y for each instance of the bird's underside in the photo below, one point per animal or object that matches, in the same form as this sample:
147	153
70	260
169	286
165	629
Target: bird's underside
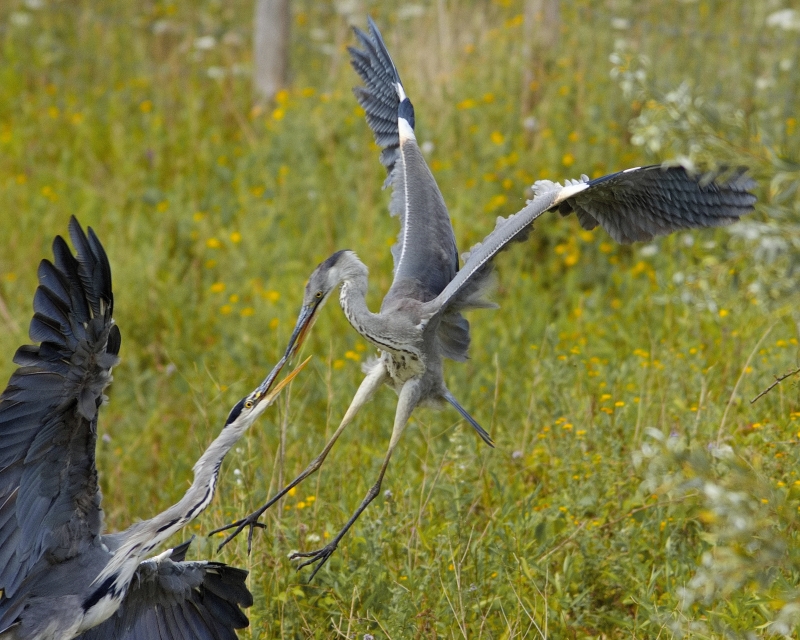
430	292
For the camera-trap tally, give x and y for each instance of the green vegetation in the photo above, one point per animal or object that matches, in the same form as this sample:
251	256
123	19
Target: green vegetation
634	490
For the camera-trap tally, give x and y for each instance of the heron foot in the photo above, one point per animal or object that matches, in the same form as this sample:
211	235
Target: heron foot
239	526
320	556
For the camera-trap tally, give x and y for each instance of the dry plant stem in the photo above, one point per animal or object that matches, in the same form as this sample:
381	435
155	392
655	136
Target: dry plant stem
452	608
563	542
282	446
7	316
352	611
778	380
378	622
526	612
739	381
611	523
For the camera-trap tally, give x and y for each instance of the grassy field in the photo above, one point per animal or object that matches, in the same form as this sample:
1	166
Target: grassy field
634	492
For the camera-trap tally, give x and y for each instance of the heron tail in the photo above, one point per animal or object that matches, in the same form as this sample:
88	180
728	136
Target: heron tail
481	431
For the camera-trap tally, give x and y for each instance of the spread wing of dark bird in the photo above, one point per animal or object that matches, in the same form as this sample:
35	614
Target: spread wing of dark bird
425	255
60	575
172	598
633	205
49	497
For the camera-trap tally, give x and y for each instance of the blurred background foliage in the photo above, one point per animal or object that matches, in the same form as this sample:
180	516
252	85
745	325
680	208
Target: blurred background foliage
634	490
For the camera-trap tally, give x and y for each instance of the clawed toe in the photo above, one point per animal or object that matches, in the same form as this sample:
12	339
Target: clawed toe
320	557
250	521
225	527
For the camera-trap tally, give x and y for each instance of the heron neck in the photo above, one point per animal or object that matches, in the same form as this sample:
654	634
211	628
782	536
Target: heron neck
352	298
141	538
201	491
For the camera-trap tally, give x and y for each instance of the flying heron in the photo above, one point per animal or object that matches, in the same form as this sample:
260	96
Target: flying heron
420	321
60	575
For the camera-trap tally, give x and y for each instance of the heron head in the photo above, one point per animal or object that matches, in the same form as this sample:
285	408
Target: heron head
328	275
255	403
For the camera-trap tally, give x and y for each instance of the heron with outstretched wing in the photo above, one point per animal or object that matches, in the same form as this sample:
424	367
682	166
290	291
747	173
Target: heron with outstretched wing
420	321
60	575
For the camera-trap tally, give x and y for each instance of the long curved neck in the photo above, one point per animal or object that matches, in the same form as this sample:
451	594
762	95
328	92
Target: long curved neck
353	294
352	299
140	539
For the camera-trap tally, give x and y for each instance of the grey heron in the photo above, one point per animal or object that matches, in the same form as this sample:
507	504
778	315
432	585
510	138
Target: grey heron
420	321
61	576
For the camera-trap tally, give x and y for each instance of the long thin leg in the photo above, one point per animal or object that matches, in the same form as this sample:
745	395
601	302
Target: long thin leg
481	431
408	399
369	385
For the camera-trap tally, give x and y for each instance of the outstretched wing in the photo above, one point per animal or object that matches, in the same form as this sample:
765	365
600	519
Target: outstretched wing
425	256
49	497
639	204
170	599
635	204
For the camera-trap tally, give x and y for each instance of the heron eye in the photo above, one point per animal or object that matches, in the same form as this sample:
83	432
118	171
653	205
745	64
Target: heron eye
319	294
248	404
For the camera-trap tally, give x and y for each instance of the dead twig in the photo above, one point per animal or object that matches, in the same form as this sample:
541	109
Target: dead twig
563	542
778	380
630	513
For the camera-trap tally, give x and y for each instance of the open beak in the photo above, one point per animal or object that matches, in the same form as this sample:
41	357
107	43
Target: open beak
269	395
304	323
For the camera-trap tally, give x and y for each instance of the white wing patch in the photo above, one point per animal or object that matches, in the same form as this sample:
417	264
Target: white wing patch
405	131
569	191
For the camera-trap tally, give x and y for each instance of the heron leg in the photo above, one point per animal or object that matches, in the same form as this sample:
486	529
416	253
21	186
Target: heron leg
369	385
481	431
409	397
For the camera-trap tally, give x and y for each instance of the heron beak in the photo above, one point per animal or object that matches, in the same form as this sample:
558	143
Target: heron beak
264	392
304	322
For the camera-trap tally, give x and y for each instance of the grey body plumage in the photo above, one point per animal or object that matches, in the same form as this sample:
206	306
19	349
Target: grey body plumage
420	321
170	597
60	574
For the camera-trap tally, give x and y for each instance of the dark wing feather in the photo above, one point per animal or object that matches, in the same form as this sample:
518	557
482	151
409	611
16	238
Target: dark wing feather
49	497
639	204
379	97
170	599
425	256
636	204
